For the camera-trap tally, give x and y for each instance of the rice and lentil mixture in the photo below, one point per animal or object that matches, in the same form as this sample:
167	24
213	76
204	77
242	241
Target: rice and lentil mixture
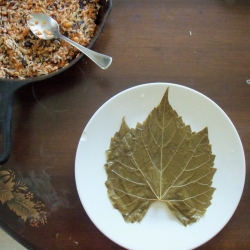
22	55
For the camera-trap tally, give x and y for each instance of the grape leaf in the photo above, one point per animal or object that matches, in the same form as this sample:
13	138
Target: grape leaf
160	160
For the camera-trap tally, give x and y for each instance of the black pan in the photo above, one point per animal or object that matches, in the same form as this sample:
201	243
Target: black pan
8	87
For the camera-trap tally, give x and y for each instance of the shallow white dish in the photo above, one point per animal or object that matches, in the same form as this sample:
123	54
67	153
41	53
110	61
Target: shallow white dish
159	229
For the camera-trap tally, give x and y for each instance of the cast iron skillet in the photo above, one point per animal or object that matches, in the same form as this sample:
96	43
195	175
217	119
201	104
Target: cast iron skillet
8	87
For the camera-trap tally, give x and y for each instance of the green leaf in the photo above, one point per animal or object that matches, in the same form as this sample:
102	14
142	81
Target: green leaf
22	207
160	160
6	191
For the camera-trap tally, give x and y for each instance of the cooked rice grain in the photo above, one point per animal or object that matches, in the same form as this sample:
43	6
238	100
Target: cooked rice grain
22	55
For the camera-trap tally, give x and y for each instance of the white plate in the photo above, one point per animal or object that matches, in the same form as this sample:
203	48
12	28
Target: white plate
159	229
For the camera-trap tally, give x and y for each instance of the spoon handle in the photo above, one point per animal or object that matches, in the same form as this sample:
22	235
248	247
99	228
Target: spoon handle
101	60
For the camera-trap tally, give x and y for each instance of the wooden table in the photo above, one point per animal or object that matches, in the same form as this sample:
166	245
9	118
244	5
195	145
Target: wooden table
201	44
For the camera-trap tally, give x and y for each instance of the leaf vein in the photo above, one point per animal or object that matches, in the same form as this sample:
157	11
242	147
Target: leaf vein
132	195
191	182
140	169
124	178
191	197
197	167
184	167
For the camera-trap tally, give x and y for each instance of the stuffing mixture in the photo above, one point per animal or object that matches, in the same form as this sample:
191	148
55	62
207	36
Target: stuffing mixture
23	55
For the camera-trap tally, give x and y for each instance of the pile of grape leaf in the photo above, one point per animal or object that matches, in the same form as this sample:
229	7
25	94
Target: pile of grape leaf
160	160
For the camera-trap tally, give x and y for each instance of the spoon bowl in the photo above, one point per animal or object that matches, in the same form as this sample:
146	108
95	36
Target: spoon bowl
45	27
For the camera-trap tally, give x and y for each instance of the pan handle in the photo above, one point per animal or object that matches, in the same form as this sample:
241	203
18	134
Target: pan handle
6	99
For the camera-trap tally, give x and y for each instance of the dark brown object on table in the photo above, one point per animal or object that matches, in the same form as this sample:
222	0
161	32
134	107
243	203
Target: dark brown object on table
203	45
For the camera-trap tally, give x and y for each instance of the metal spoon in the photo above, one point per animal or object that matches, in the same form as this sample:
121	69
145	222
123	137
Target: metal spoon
45	27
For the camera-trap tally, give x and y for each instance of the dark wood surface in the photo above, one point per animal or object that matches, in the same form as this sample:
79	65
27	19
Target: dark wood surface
201	44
